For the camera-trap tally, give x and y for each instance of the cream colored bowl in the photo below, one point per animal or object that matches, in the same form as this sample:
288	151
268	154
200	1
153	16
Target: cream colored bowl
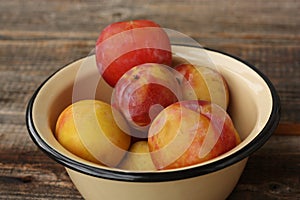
254	109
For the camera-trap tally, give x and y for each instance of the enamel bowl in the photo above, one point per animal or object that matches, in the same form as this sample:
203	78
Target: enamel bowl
254	108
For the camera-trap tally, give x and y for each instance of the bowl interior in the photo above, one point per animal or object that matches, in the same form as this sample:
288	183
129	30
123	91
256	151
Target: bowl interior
250	97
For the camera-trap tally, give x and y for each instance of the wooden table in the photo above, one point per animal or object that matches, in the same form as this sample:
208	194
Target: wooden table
37	37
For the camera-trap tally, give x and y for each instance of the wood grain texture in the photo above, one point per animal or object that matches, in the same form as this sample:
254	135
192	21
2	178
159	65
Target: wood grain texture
37	37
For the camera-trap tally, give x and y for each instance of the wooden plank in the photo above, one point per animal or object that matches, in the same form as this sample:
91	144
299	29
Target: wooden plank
288	129
272	172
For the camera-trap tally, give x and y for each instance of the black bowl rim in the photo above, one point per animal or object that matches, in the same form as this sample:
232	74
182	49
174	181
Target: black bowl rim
185	173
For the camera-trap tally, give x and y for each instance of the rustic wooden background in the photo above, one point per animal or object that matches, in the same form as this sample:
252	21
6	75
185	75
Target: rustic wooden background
37	37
